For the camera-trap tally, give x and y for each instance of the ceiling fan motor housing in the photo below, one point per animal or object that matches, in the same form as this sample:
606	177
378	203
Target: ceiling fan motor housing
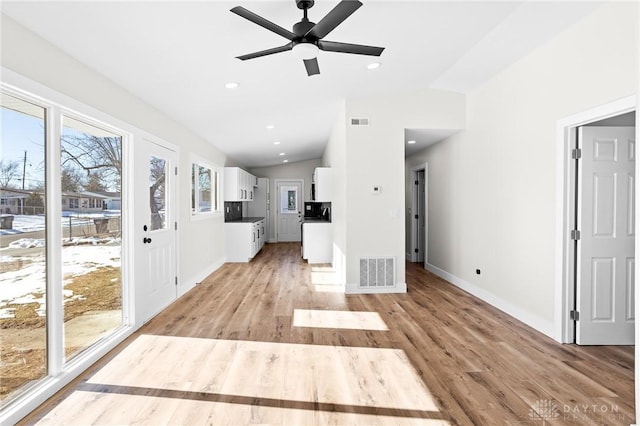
302	28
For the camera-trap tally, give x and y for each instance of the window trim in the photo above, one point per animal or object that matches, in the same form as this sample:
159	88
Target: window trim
216	193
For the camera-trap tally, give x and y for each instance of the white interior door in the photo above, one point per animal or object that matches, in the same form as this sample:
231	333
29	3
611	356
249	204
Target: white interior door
158	234
606	265
289	210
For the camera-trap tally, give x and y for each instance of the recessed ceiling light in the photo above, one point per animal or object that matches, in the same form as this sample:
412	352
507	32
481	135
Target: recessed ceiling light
276	143
270	126
411	142
232	85
281	154
285	161
373	65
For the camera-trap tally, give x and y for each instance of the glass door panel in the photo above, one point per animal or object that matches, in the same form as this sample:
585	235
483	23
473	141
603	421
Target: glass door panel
289	203
91	178
23	345
157	192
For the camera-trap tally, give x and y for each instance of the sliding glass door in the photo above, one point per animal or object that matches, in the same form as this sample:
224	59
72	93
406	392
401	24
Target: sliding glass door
61	287
23	246
91	176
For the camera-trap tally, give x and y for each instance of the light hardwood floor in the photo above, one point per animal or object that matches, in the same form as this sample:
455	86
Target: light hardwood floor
270	342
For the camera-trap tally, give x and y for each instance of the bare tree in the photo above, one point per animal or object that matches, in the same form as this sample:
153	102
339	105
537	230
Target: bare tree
157	191
9	171
94	153
71	179
95	183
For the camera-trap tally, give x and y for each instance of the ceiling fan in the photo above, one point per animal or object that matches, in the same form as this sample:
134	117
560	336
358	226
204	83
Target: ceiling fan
306	39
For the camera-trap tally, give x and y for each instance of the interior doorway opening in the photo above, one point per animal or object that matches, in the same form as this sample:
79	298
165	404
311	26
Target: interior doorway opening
418	215
591	199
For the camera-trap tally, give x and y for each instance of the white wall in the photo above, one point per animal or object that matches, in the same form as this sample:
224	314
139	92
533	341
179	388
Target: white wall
298	170
491	187
36	59
374	225
335	156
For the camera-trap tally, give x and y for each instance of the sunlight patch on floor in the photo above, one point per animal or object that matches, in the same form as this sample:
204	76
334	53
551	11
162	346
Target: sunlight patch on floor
338	319
323	275
252	382
119	409
328	288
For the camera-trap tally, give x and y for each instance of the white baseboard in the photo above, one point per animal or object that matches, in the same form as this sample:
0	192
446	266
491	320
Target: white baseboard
355	289
533	321
190	283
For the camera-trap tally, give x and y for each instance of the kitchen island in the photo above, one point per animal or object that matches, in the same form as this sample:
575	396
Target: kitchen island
317	241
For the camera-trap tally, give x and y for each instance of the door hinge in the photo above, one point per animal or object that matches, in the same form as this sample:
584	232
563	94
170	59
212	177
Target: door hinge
176	170
416	250
176	281
416	216
576	153
574	315
575	235
175	225
416	182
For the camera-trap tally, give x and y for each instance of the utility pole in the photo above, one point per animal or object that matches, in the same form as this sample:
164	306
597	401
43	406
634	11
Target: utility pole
24	169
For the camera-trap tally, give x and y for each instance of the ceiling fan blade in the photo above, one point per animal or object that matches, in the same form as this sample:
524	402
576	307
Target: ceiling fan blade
312	66
266	52
358	49
342	11
264	23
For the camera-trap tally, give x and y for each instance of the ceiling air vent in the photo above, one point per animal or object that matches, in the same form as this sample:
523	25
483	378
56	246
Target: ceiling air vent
359	121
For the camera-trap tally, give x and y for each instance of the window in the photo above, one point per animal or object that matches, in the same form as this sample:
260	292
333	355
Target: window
205	189
91	160
289	200
23	282
44	316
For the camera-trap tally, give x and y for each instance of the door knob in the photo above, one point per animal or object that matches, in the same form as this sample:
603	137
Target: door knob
146	240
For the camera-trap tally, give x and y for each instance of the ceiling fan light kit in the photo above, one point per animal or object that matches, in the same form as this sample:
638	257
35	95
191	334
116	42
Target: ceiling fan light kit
306	39
306	50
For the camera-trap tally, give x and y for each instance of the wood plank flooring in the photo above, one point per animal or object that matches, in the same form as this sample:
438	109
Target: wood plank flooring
257	344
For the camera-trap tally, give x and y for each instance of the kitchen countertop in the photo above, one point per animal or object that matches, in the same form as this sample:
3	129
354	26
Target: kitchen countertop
313	220
247	220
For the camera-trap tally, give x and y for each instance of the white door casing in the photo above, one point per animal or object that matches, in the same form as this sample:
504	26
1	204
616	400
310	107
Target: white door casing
420	222
606	262
158	233
288	209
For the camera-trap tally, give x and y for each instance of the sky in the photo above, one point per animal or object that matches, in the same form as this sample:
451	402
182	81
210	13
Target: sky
19	133
22	132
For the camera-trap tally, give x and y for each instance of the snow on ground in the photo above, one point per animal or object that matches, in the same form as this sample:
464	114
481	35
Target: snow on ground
27	284
32	223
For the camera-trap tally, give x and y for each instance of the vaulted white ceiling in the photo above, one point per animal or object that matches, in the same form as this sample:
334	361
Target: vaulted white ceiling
178	56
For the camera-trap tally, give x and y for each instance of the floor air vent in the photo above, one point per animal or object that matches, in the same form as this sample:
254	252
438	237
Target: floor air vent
377	272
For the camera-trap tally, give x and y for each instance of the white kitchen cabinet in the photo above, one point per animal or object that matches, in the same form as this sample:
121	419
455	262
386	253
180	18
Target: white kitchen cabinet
317	242
238	184
260	205
323	185
244	239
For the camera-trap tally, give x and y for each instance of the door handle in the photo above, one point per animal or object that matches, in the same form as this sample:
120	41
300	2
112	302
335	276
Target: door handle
146	240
